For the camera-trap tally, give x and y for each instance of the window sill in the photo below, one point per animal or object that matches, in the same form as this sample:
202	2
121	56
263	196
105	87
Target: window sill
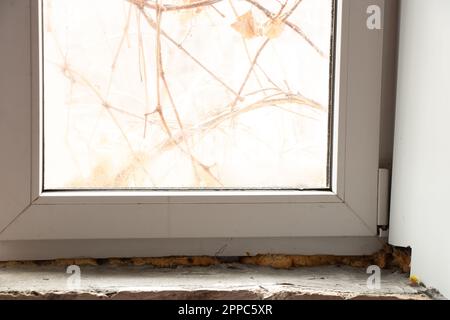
227	281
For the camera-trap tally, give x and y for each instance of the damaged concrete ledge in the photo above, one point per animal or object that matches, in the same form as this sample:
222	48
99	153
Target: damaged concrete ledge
225	281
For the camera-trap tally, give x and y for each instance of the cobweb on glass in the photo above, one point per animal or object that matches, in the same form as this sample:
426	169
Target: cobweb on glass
187	94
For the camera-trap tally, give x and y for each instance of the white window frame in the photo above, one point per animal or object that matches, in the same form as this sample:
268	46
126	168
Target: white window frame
349	210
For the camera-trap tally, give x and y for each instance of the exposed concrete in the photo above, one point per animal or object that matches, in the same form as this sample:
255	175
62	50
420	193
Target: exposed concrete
226	281
251	277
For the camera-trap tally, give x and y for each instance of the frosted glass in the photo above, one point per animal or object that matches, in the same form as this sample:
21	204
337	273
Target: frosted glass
186	94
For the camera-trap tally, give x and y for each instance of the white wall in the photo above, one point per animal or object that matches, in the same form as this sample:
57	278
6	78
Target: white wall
420	215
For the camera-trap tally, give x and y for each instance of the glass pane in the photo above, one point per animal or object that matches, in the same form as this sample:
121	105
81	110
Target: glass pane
187	94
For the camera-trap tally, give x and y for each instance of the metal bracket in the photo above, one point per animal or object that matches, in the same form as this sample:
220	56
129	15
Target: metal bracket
383	202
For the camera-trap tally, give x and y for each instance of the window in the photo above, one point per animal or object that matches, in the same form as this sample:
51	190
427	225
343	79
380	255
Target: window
227	119
229	95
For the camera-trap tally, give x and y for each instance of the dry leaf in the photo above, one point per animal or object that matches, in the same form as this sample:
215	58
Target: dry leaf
246	26
274	28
